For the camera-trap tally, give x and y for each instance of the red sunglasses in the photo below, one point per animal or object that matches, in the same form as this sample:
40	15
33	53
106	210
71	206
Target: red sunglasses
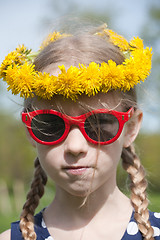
101	126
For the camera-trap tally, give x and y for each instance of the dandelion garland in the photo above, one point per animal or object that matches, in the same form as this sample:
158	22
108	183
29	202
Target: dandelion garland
18	71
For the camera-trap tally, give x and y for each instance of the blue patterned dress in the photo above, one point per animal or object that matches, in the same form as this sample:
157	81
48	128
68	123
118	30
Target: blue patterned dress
131	233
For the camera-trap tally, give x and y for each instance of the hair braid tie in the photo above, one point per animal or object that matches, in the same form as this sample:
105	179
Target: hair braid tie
33	197
132	165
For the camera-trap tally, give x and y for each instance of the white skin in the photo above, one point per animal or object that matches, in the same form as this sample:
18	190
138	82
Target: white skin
68	216
87	202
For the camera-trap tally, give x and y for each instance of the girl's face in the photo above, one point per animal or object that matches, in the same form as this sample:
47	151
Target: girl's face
76	165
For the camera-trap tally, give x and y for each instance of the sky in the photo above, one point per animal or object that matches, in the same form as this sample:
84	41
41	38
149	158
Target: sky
22	21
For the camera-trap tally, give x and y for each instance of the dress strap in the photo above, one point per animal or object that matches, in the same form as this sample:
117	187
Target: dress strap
15	231
39	227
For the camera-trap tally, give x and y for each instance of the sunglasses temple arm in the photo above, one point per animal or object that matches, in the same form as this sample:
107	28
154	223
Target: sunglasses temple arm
130	113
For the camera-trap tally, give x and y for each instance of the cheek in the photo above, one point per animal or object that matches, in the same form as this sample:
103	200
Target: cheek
113	151
48	157
106	164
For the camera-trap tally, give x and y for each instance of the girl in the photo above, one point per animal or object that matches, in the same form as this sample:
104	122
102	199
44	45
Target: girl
81	114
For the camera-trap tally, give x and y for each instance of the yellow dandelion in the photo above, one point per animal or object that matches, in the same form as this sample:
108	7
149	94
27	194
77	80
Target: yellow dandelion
90	79
141	61
69	84
136	42
118	40
111	75
44	85
13	58
21	49
147	60
131	78
20	79
52	37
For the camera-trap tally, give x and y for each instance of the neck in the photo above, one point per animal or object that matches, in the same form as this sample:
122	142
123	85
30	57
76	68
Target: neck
79	211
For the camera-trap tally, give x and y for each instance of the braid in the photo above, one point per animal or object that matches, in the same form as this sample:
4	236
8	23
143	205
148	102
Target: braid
131	163
33	197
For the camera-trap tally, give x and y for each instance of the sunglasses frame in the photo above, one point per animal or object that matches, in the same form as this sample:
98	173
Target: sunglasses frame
79	121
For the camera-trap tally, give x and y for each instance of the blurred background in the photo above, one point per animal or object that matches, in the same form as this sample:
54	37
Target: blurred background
28	22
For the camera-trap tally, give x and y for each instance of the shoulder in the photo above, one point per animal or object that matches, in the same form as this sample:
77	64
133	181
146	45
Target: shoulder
39	228
154	218
6	235
132	231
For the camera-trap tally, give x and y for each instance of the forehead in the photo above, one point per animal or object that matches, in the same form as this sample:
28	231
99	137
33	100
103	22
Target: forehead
110	100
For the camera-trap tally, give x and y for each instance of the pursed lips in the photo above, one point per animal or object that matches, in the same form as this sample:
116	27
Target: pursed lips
76	170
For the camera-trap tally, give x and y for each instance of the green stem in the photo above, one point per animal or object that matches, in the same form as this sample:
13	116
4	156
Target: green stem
31	56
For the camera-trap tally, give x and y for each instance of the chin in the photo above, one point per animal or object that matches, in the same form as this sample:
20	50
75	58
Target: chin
82	193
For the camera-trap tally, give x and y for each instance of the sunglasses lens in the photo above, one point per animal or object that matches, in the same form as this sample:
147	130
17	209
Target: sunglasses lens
101	127
48	127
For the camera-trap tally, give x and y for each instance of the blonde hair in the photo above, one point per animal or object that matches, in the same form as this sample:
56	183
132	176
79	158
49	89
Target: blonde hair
138	185
85	49
33	197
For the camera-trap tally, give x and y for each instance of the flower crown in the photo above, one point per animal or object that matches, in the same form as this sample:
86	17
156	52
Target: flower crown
19	72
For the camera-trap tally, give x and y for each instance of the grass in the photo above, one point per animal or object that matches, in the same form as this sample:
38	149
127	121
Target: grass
154	199
12	214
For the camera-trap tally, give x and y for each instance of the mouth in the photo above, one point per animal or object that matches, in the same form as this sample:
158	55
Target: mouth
76	170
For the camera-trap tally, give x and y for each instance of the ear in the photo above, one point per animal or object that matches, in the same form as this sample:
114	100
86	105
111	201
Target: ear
30	139
132	128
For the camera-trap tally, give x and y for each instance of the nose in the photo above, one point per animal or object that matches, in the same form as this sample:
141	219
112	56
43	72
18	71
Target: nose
75	143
